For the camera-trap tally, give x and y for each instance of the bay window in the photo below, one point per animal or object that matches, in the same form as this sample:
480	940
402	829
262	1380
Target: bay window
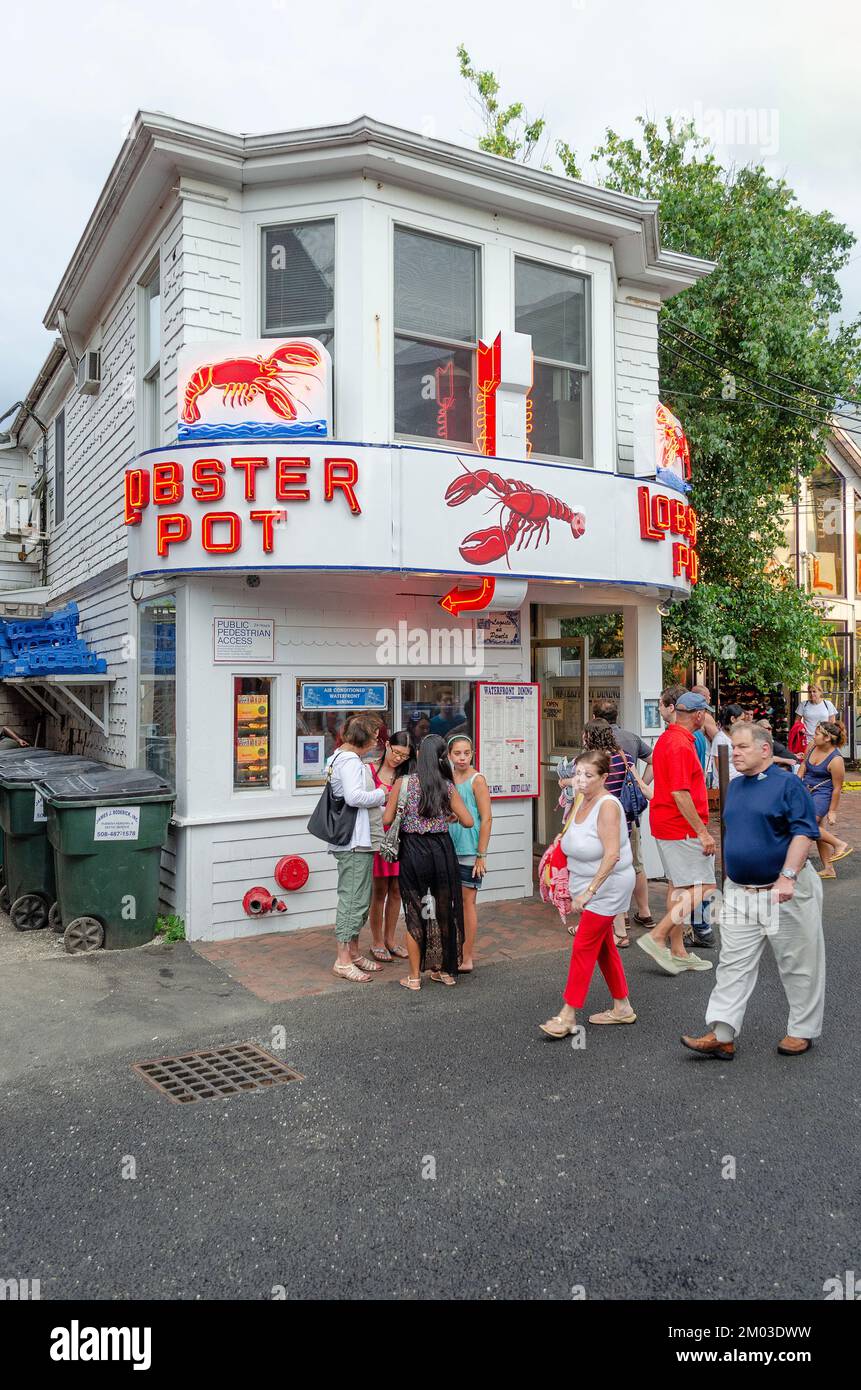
552	305
436	337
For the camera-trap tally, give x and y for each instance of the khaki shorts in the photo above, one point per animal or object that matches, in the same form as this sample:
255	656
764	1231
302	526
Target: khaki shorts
636	850
684	862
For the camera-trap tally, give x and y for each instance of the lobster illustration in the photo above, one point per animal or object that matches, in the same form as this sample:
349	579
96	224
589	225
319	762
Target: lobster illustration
530	515
240	379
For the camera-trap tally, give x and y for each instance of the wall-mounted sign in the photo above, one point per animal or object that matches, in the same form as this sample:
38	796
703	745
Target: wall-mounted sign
500	629
651	714
553	709
344	695
508	737
397	508
661	447
661	515
117	823
243	639
251	732
256	388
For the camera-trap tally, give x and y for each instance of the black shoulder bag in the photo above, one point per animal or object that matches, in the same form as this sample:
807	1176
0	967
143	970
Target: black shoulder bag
332	819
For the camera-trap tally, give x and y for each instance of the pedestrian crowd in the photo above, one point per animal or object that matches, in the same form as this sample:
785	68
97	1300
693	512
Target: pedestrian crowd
418	823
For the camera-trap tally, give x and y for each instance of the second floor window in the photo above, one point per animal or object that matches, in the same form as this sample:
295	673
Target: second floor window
59	468
299	282
825	531
436	330
150	328
552	305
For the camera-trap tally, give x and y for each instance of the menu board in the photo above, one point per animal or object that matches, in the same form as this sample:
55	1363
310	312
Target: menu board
508	737
251	753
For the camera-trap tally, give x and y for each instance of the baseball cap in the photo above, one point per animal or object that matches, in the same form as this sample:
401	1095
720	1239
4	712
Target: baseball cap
691	701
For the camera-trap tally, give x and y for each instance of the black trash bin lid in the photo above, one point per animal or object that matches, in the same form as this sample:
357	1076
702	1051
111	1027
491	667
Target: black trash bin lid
100	784
35	769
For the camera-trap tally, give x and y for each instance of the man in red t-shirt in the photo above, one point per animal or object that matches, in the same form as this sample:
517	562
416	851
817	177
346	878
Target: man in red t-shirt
678	819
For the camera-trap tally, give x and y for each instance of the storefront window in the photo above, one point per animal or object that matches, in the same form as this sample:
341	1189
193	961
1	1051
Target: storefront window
157	707
825	532
436	328
786	554
323	708
299	281
552	305
438	707
252	723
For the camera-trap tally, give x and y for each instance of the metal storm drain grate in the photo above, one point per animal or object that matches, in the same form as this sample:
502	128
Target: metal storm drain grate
222	1071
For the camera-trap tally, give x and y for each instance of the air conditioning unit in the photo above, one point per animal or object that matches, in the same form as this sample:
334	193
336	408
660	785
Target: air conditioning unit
19	517
89	374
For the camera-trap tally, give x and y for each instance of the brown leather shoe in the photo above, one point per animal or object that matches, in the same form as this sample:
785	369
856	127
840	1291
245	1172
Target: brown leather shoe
710	1046
794	1047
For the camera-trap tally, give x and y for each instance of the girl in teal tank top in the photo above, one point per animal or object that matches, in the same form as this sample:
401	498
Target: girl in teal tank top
470	845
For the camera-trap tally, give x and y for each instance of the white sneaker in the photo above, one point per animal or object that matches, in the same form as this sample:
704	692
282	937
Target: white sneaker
693	962
659	954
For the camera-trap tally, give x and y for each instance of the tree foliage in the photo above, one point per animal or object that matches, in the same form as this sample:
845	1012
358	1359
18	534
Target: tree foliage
762	321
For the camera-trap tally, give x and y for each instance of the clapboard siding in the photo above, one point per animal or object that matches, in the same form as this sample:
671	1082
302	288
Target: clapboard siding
636	372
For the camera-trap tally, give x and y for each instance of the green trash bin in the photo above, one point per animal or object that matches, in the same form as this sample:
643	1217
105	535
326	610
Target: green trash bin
11	752
30	887
107	827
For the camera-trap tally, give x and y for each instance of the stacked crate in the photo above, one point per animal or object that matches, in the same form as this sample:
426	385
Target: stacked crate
47	646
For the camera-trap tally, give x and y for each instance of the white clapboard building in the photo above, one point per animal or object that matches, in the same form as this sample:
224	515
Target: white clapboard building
345	419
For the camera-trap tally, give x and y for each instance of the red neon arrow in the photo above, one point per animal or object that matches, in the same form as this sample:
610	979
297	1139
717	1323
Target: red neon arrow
465	600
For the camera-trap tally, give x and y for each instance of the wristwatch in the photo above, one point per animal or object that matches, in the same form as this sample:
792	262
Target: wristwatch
788	873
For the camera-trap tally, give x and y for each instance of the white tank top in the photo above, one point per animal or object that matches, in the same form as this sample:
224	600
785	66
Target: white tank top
584	850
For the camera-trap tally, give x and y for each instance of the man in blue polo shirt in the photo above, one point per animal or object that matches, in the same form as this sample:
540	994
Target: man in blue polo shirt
770	892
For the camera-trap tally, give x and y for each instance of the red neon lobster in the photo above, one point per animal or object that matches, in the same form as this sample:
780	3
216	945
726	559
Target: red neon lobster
531	513
241	378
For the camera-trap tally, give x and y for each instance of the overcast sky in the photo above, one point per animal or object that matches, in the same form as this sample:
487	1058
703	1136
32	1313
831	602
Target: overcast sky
74	75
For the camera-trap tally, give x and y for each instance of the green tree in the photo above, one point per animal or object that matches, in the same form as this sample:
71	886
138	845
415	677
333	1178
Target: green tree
761	322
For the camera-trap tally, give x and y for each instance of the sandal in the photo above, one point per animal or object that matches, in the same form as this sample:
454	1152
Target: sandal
561	1030
351	972
381	953
442	977
411	982
621	941
826	873
610	1016
643	921
850	849
397	952
365	964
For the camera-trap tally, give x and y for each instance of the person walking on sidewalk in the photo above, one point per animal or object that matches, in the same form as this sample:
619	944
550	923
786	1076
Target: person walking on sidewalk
678	817
352	780
822	772
635	750
770	892
601	879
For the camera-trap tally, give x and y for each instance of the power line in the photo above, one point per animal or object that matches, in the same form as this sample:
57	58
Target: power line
714	362
825	418
803	386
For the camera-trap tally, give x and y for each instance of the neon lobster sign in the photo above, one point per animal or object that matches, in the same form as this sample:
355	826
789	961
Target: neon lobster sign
661	516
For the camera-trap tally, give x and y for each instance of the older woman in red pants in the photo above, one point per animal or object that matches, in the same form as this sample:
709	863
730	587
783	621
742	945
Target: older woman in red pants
601	880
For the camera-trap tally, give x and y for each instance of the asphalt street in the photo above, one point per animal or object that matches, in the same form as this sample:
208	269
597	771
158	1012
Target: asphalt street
439	1145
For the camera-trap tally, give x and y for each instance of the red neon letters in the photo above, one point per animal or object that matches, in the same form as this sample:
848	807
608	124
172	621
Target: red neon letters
660	515
209	481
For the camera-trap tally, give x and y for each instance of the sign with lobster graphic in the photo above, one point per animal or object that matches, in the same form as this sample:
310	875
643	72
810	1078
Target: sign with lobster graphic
661	449
260	388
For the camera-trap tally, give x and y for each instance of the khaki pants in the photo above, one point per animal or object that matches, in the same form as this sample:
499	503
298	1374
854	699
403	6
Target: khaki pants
794	931
355	883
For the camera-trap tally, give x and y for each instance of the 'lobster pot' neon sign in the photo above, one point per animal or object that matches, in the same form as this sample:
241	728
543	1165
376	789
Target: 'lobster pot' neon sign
661	516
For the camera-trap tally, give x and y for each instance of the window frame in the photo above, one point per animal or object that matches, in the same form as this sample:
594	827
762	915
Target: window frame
391	714
153	676
586	371
60	468
437	340
237	789
305	331
842	589
152	404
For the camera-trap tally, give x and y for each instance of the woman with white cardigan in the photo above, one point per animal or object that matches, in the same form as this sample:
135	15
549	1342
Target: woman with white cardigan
352	780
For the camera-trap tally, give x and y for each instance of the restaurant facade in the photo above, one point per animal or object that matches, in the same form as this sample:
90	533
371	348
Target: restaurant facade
350	419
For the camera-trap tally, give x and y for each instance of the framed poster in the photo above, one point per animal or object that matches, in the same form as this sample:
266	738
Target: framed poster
251	729
243	639
508	737
310	756
651	717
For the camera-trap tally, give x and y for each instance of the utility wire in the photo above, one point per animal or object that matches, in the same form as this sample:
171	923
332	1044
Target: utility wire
825	418
803	386
714	362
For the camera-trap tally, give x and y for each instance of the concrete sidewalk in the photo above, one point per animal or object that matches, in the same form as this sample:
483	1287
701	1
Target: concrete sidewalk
289	965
